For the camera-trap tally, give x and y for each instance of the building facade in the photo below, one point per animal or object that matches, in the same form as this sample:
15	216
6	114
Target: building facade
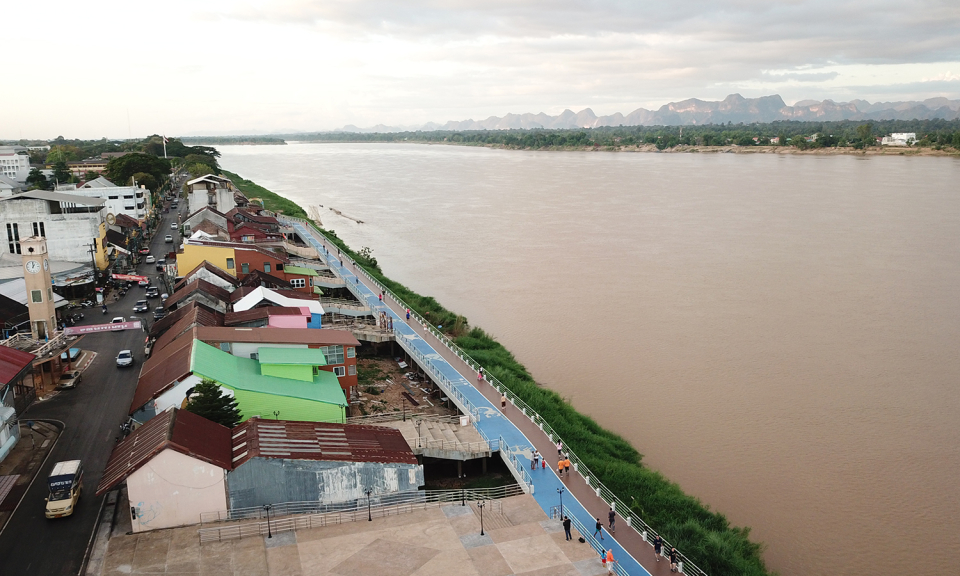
15	162
73	225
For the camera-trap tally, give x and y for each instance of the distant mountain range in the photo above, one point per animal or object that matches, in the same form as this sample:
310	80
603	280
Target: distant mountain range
734	108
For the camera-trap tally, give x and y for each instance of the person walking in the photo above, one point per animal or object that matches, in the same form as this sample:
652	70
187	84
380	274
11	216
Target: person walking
658	547
566	466
566	527
612	516
560	468
673	559
408	314
559	448
381	296
610	561
536	460
599	529
503	401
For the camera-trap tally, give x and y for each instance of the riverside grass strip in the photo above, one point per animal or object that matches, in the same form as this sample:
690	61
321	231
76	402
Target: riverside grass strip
706	537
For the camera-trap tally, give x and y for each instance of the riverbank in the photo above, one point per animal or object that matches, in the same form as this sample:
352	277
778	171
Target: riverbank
706	537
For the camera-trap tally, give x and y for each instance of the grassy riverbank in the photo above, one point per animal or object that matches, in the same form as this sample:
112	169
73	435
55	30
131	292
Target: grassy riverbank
706	537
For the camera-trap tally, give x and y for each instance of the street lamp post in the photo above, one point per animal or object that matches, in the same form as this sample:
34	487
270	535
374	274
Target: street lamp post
480	505
560	491
266	508
369	515
419	422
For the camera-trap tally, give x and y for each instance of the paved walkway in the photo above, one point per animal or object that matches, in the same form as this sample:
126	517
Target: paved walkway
518	433
440	541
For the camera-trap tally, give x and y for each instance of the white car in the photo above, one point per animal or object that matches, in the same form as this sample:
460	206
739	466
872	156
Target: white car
118	320
173	225
124	359
168	239
150	260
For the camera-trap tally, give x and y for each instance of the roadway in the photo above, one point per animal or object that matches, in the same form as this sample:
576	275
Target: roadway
92	413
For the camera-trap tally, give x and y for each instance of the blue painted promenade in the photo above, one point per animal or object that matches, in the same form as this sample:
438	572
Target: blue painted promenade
492	424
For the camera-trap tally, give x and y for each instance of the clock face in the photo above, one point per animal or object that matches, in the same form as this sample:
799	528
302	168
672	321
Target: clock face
33	266
46	265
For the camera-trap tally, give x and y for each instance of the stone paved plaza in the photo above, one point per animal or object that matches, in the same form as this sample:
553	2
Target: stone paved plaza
441	541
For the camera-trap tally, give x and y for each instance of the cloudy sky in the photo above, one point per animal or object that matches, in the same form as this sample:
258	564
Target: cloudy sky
125	69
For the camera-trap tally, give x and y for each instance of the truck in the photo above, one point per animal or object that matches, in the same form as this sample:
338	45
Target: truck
64	484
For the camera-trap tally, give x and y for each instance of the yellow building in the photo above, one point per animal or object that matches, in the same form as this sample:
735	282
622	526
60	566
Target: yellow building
233	258
193	255
100	248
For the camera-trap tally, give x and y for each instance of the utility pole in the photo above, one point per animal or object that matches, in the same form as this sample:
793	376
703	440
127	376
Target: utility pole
93	258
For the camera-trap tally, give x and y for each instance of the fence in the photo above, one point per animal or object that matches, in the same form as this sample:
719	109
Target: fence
557	513
291	516
601	491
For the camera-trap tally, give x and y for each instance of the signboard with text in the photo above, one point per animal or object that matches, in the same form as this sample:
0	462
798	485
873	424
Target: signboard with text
130	277
79	330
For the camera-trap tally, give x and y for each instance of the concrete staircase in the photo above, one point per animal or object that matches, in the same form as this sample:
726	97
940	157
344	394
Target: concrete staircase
439	439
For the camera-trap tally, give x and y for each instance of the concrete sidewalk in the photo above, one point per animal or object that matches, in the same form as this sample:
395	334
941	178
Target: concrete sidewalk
434	542
23	463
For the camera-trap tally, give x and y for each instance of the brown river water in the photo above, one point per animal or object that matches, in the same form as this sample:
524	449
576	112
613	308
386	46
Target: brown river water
780	335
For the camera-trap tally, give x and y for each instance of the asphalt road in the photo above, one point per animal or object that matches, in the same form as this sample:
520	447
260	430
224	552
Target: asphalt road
92	414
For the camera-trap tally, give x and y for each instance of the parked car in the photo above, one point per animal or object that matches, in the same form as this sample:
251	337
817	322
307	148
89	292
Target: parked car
70	379
144	251
160	264
118	320
124	359
168	239
141	306
150	260
159	313
143	283
152	292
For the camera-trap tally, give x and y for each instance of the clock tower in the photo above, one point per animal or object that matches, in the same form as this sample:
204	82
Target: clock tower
36	275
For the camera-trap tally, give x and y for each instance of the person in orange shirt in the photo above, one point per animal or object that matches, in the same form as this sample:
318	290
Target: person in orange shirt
560	468
566	466
609	561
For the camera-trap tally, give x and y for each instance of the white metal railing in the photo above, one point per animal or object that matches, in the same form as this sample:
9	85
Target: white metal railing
557	513
393	416
621	508
425	442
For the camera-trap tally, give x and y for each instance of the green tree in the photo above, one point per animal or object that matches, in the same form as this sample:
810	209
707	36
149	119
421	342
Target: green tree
199	169
61	173
209	401
142	178
119	170
36	179
90	175
865	134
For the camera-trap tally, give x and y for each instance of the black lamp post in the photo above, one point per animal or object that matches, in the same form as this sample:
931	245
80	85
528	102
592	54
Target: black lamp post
480	505
266	508
560	491
419	422
369	515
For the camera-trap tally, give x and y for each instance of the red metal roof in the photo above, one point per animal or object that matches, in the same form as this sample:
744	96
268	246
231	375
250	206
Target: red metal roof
178	430
232	318
200	285
12	363
162	370
211	318
198	316
323	441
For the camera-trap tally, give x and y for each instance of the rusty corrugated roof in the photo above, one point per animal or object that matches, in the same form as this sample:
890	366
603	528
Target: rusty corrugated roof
12	362
198	285
323	441
179	430
209	317
210	268
162	370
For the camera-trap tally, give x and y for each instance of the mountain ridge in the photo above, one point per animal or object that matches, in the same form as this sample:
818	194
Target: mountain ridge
694	111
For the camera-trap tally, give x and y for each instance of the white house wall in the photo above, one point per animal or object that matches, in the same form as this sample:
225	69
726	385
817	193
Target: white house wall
172	489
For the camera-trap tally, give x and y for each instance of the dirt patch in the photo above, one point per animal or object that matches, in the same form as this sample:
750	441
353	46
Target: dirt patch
383	381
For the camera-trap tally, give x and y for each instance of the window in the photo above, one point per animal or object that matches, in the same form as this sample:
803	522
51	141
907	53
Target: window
353	369
113	197
351	352
49	294
13	237
245	268
279	266
36	295
255	356
333	354
298	282
128	196
339	371
230	264
38	229
225	346
266	267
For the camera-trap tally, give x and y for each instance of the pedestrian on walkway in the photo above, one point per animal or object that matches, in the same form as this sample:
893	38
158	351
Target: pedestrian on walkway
381	296
612	516
566	527
560	468
480	374
599	529
673	559
566	466
559	448
408	314
503	401
610	561
536	459
658	547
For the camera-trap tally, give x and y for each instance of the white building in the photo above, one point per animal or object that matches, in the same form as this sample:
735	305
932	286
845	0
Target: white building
72	225
216	192
9	186
15	162
899	139
130	200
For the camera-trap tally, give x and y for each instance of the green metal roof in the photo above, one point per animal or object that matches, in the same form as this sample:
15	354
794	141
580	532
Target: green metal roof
244	374
299	270
273	355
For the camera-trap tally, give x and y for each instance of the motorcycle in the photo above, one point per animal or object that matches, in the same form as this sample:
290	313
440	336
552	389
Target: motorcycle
104	309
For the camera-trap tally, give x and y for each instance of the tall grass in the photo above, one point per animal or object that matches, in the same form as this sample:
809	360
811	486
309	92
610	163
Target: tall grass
271	201
706	537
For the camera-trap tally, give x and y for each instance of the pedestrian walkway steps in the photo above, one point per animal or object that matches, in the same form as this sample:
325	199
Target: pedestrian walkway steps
493	516
344	307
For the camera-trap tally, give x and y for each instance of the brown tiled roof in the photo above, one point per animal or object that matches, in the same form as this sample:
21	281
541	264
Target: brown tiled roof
175	429
125	221
268	335
161	326
212	229
232	318
318	441
216	270
254	217
261	278
200	285
214	210
116	238
162	370
198	316
12	363
11	310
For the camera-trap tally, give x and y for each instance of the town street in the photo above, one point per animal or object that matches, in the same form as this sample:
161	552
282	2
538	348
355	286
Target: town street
92	414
